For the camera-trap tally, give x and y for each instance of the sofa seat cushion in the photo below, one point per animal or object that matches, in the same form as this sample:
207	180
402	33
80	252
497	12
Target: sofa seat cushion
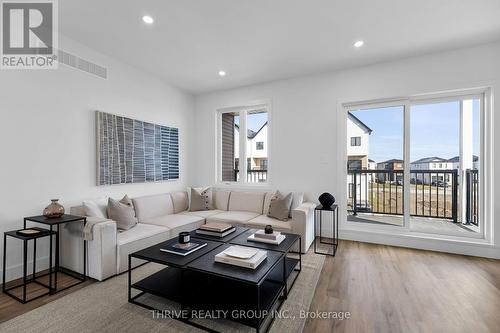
140	231
203	213
232	217
261	221
137	238
177	222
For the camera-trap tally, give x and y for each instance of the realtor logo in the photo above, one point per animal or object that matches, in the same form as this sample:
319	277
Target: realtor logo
29	34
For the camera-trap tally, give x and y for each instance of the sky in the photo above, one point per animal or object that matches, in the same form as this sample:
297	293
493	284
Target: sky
254	120
434	131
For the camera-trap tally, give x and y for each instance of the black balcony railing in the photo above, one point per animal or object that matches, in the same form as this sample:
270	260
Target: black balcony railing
432	193
472	196
253	176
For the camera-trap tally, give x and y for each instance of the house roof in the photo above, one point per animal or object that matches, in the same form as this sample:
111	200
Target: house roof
359	123
394	160
251	134
457	159
430	159
370	160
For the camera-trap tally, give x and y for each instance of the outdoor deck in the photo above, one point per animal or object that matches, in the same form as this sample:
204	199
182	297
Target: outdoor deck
418	224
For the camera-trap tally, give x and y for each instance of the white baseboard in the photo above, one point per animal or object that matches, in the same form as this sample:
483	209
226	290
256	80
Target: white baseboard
411	241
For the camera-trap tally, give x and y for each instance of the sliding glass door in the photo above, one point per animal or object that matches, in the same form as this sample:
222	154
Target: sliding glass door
416	164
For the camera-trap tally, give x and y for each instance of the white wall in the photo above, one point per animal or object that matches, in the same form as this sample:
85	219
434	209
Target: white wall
305	112
47	135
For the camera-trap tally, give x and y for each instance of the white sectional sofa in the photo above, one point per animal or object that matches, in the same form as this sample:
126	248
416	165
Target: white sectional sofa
164	216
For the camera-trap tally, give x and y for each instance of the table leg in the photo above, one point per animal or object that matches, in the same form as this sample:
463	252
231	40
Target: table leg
57	258
84	254
285	284
25	268
50	260
129	278
34	259
4	260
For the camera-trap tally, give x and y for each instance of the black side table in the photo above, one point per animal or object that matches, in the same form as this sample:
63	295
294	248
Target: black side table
26	281
335	227
57	222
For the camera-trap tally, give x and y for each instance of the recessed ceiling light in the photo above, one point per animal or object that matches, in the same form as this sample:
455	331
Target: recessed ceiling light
148	19
359	43
222	73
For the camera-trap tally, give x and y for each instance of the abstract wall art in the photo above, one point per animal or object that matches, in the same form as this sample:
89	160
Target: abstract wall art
133	151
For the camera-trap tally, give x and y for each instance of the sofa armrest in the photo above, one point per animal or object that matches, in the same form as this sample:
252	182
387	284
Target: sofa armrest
101	250
303	223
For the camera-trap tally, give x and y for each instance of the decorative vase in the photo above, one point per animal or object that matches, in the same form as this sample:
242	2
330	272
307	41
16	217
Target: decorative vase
54	210
326	199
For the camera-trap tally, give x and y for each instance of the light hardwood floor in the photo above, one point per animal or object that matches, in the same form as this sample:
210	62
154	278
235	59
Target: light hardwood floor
392	289
386	289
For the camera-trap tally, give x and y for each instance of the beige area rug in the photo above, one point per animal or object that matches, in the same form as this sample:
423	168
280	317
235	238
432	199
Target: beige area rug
103	307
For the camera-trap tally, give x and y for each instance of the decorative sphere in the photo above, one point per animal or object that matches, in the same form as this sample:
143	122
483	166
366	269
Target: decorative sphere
326	199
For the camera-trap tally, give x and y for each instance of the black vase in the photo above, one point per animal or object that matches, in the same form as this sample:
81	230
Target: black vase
326	199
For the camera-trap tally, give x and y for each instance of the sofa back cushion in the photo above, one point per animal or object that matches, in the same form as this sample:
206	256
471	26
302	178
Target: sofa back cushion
247	201
180	201
152	206
221	199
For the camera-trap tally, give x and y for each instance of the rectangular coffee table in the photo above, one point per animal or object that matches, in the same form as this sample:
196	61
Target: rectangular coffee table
197	282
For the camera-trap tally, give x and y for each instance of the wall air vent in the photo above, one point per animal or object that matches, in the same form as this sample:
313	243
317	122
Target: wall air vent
81	64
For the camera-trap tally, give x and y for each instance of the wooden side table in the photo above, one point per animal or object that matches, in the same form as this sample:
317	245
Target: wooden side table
26	238
335	228
56	222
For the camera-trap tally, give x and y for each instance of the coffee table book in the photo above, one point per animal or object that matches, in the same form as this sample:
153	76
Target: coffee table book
216	227
277	241
174	247
252	261
262	234
215	233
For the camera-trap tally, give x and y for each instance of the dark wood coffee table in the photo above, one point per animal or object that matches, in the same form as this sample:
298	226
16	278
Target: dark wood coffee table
198	283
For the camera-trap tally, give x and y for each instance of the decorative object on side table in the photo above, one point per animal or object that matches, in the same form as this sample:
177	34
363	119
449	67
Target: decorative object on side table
334	213
54	210
326	199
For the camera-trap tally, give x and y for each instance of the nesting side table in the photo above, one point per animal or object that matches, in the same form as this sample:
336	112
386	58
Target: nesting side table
26	238
56	223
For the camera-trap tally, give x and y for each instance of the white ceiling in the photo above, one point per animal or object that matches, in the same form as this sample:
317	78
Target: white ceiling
263	40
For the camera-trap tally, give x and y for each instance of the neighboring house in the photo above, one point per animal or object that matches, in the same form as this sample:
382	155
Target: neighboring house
358	135
391	165
257	145
436	164
372	165
455	161
433	163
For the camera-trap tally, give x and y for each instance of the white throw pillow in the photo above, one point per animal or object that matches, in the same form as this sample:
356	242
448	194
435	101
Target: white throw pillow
96	208
298	198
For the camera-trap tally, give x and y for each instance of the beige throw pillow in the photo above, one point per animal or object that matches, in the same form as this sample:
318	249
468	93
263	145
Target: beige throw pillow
201	200
122	212
279	208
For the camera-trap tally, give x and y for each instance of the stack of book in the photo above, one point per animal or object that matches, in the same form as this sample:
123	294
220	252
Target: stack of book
260	236
242	256
215	229
174	247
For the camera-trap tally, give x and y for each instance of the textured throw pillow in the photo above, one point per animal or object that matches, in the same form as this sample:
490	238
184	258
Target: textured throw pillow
297	199
200	199
96	208
279	208
122	212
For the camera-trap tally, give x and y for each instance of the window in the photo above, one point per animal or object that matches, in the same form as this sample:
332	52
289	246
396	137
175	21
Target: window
263	164
238	128
356	141
354	165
